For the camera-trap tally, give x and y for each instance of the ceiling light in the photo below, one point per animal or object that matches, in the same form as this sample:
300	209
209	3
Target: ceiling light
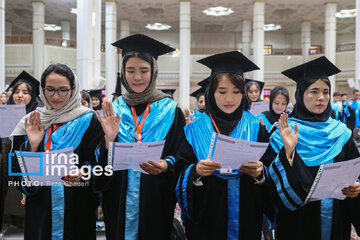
158	26
346	13
218	11
74	10
51	27
271	27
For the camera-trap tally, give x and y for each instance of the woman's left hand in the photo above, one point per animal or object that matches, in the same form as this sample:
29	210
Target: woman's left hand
154	168
254	172
70	179
352	191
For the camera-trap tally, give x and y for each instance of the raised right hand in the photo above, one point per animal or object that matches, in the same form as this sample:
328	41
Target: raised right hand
34	130
205	168
109	122
287	136
187	116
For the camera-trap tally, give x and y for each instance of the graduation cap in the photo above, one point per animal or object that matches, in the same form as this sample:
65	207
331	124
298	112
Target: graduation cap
198	93
24	76
96	93
229	62
261	84
168	91
205	82
318	68
142	43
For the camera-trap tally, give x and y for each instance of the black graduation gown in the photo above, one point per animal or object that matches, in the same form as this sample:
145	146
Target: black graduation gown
208	204
80	202
157	193
351	120
305	223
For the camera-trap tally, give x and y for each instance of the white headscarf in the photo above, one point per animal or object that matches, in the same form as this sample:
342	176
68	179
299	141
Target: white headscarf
49	116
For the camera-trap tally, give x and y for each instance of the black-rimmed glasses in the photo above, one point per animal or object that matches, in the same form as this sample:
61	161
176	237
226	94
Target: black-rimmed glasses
62	92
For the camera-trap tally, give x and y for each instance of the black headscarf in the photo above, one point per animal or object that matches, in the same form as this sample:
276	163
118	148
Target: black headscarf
271	115
300	110
225	122
34	102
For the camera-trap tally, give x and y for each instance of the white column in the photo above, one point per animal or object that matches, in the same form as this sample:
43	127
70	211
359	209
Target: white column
305	39
8	28
330	37
258	38
65	30
185	46
84	50
124	28
2	45
110	37
357	46
38	37
97	41
246	37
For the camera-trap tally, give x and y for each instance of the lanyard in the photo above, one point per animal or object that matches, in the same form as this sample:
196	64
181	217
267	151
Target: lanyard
50	131
215	126
137	134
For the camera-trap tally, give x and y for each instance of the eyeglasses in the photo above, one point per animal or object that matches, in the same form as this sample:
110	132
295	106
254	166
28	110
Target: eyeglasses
62	92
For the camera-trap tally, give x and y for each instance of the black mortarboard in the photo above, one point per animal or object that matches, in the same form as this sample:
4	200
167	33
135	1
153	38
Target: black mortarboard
229	62
96	93
318	68
198	93
168	91
24	76
142	43
261	84
205	82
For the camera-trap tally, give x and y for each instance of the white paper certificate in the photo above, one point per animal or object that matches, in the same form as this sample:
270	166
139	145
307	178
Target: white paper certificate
231	153
332	178
259	107
10	115
122	156
46	168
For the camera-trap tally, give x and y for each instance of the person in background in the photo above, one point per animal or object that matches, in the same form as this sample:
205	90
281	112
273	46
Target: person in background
253	90
336	106
352	111
85	99
3	98
279	99
96	98
343	98
8	93
25	91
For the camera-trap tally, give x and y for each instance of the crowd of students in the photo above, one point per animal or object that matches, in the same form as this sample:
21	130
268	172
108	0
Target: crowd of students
269	196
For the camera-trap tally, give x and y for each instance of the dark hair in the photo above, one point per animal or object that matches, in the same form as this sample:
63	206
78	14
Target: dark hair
28	86
343	94
336	94
279	90
311	81
85	96
142	55
236	79
250	84
355	91
61	69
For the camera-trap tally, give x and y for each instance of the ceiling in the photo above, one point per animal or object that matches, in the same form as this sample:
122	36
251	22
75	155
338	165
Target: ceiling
288	13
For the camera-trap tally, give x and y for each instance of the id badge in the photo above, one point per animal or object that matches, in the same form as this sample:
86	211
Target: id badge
225	171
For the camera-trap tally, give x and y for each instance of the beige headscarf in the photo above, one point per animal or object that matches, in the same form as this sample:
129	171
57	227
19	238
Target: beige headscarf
48	115
150	94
